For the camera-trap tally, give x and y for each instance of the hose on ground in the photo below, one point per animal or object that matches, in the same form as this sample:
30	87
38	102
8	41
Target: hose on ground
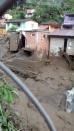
32	98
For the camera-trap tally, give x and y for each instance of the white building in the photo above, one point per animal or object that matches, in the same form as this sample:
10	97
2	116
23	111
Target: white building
29	13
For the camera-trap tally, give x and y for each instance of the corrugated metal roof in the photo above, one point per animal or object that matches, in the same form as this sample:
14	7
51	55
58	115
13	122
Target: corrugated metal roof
62	33
69	14
17	21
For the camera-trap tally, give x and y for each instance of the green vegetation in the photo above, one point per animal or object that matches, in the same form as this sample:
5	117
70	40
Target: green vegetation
7	95
46	11
13	28
5	123
44	2
68	6
17	13
7	92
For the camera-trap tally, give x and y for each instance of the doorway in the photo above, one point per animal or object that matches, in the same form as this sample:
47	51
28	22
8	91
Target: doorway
22	42
65	44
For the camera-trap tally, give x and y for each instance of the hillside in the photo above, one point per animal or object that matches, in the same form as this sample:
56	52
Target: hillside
45	2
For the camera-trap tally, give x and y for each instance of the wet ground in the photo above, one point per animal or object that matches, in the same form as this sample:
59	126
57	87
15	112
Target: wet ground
49	85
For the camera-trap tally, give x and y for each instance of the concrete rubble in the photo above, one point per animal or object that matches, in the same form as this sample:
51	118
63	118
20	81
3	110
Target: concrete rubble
70	100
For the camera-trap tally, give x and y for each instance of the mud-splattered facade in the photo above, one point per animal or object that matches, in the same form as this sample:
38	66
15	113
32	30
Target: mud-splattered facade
37	41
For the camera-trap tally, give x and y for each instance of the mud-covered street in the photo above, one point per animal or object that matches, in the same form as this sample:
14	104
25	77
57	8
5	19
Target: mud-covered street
37	45
48	82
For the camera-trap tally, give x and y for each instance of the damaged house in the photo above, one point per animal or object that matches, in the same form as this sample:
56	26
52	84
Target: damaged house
63	39
37	41
11	27
30	38
44	40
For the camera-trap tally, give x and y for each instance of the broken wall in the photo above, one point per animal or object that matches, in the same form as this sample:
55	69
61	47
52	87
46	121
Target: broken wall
4	47
14	37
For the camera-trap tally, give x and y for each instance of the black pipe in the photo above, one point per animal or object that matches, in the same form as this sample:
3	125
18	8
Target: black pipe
32	98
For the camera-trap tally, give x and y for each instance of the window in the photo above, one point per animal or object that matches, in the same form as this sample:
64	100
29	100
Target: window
71	18
33	34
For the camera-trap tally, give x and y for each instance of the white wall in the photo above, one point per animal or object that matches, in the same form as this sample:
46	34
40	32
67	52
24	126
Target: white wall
31	25
70	47
55	45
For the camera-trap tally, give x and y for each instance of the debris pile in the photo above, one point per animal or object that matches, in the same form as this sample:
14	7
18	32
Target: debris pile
70	100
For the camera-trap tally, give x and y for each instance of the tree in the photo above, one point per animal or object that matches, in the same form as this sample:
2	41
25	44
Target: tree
68	5
47	13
